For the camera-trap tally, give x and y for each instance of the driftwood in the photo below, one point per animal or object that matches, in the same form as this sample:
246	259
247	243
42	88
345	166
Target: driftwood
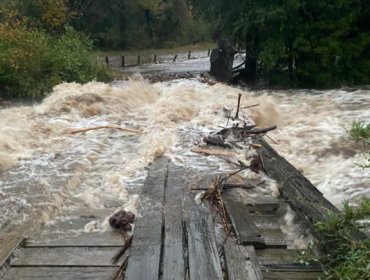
74	131
213	152
307	201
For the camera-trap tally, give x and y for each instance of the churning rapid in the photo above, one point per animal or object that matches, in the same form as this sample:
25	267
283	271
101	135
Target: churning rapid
41	163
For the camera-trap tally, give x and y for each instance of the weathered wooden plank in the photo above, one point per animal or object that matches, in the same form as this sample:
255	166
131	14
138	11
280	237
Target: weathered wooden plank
145	253
85	239
8	243
284	260
64	256
260	204
278	256
204	261
173	254
241	262
288	275
274	238
266	221
59	273
308	202
246	231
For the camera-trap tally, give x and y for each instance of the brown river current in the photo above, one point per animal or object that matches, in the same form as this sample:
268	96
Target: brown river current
41	164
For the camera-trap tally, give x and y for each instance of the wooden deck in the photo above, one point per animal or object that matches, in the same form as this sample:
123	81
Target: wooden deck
174	238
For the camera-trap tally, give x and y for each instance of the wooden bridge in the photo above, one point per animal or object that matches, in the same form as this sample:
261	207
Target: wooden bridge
174	237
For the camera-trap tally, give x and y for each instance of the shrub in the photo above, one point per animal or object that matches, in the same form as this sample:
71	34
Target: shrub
33	61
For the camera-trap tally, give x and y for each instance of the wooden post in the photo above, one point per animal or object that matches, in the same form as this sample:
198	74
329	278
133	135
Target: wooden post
155	59
174	59
138	59
123	61
107	61
189	54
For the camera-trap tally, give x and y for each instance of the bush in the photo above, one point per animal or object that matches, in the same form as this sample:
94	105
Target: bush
346	258
33	61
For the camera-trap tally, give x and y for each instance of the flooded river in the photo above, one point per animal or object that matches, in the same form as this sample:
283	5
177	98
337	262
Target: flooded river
41	164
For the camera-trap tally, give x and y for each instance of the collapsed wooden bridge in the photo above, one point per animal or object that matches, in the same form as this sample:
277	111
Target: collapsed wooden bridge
176	237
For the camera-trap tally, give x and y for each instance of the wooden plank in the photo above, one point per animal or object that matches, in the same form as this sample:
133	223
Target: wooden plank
59	273
266	221
204	261
241	262
284	260
288	275
64	256
8	243
246	231
90	239
274	238
173	254
145	252
308	202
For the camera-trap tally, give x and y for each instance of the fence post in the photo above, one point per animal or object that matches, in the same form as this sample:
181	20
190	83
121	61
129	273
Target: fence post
138	59
123	61
189	54
107	61
174	59
155	59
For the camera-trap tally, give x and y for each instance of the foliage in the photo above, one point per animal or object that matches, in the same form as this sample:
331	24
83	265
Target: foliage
305	43
32	60
345	257
360	131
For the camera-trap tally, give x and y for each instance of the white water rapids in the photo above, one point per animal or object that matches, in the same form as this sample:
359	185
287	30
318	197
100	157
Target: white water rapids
41	164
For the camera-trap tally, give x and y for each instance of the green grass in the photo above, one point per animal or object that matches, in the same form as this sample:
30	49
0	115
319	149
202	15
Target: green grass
344	257
360	131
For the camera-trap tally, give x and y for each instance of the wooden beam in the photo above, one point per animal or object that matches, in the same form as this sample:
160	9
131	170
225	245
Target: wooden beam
173	250
246	231
305	199
145	253
241	262
204	261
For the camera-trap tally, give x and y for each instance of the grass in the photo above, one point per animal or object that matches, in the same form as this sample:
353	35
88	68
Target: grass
360	131
344	257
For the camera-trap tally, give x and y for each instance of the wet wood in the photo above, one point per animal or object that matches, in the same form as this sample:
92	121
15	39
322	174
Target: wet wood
261	204
288	275
213	152
92	239
241	262
274	238
8	243
307	201
173	254
64	256
145	252
246	231
74	131
204	261
59	273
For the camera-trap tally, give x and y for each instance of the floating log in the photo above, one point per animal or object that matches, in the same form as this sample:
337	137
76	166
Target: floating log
174	59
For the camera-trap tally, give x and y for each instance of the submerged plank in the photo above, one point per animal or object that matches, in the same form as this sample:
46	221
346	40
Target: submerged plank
145	253
246	231
289	275
173	254
241	262
64	256
90	239
59	273
204	261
